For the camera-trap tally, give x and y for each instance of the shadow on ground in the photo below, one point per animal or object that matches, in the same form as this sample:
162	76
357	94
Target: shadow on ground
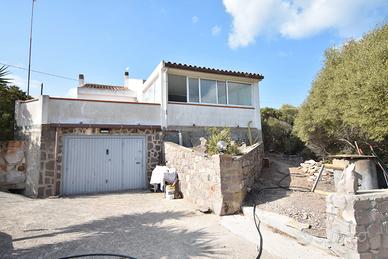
137	235
267	188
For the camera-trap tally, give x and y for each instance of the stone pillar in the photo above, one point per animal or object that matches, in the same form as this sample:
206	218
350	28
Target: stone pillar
357	225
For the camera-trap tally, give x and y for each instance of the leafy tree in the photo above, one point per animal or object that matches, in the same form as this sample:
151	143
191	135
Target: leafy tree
288	113
3	75
277	126
8	96
349	96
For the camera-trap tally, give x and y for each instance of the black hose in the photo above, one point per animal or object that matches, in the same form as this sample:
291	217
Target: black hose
279	186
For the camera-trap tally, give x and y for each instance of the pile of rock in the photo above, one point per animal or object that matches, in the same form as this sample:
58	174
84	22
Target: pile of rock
12	165
311	168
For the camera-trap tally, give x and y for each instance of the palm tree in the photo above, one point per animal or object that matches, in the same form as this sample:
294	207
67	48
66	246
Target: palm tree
3	73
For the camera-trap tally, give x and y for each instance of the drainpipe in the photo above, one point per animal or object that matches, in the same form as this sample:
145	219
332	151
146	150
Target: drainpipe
56	161
180	141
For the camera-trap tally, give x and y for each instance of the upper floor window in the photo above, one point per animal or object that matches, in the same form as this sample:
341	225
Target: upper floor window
240	94
177	90
208	91
198	90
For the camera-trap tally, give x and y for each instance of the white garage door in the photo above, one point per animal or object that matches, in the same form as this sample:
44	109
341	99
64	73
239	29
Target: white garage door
103	164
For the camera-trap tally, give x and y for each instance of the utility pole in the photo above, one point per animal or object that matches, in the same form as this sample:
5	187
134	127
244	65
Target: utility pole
41	89
29	53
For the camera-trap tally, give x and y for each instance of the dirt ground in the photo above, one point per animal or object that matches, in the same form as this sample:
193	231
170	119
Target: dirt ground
141	225
303	205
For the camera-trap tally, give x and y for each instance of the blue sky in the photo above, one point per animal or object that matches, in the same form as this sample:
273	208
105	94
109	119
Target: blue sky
283	40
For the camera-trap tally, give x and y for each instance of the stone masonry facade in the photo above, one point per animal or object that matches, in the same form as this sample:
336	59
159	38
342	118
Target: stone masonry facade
12	165
357	225
219	182
49	185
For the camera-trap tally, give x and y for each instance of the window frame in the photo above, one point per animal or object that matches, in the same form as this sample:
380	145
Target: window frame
251	88
217	98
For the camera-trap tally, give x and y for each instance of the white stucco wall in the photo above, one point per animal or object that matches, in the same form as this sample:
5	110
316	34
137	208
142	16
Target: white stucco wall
94	112
107	95
28	113
187	115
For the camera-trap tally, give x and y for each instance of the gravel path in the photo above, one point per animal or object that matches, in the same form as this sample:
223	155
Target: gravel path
304	207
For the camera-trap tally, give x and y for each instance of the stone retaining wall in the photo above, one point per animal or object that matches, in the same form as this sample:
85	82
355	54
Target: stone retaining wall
218	182
357	225
12	165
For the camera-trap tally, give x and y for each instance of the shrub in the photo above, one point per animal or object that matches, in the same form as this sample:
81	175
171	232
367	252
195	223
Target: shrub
217	135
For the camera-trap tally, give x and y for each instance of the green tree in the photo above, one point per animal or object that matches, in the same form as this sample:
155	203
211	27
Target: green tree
349	96
277	126
8	95
3	75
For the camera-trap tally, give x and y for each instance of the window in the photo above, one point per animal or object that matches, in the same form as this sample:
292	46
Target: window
208	91
193	90
221	88
197	90
240	94
177	91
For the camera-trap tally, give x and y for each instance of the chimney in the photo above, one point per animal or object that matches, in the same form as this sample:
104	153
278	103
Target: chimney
126	78
81	79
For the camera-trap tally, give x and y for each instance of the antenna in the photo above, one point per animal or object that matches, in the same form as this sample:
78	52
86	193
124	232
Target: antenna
29	52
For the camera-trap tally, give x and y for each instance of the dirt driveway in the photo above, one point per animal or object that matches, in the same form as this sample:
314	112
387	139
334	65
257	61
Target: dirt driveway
141	225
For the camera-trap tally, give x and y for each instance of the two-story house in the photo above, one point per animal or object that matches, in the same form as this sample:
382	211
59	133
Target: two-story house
110	138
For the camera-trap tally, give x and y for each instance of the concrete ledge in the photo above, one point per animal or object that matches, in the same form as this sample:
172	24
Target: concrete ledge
276	244
280	223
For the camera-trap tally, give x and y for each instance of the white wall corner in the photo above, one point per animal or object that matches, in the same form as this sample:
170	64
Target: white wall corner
256	104
44	100
164	96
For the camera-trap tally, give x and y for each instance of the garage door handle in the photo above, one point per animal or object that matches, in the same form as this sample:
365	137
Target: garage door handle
138	163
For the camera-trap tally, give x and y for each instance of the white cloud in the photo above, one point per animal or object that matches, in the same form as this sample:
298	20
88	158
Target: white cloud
194	19
216	30
301	18
72	92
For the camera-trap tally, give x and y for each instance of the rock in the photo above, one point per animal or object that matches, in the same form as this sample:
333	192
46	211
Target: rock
348	182
2	177
2	162
13	158
15	177
21	168
203	141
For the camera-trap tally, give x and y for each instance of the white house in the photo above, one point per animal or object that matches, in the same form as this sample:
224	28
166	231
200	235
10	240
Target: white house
110	138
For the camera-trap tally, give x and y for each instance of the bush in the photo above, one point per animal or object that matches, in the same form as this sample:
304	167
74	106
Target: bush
8	96
217	135
277	126
348	98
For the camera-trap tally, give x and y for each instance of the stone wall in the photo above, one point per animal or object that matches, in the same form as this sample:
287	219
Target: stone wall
12	165
357	225
218	182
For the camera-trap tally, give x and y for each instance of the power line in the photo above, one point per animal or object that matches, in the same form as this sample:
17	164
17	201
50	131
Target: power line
39	72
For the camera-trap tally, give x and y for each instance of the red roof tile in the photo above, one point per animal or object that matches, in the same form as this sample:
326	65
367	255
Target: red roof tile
105	87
